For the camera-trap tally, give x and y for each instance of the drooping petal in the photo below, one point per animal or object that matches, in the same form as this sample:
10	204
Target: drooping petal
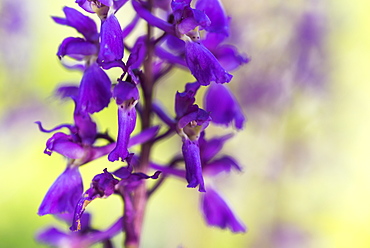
111	45
64	145
190	151
95	92
223	107
203	65
64	194
218	213
83	24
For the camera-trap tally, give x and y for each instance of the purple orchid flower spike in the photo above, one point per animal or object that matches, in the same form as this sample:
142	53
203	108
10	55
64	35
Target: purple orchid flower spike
126	95
64	194
223	107
218	213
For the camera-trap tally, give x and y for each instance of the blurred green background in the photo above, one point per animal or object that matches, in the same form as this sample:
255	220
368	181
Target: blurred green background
304	152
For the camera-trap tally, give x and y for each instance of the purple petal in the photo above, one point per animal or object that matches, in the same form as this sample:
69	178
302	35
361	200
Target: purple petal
216	13
224	164
160	111
190	151
86	5
180	5
53	237
223	106
117	4
163	4
199	116
131	181
144	136
126	125
130	27
95	90
169	170
209	148
86	127
175	44
78	212
217	212
111	45
151	19
213	40
102	185
64	91
76	48
229	57
204	66
108	233
64	145
186	99
138	53
64	194
170	57
107	2
126	93
83	24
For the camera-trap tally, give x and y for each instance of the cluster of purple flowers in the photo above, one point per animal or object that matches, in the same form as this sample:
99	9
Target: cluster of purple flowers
179	45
